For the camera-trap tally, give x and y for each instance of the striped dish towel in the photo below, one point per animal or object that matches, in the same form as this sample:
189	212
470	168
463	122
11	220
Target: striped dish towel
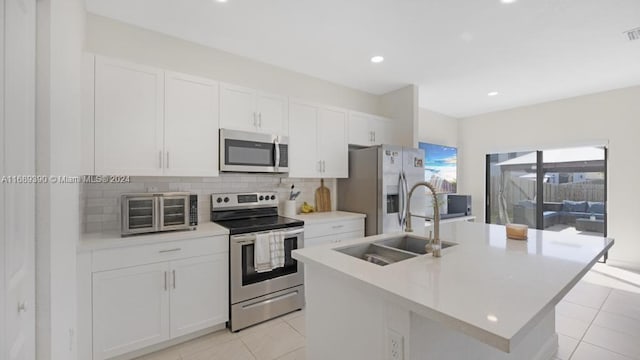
276	243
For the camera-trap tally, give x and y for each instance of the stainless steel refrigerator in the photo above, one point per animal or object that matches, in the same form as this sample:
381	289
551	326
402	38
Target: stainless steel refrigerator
380	178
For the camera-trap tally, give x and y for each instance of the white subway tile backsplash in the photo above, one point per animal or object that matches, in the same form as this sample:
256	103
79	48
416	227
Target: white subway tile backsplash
100	203
93	210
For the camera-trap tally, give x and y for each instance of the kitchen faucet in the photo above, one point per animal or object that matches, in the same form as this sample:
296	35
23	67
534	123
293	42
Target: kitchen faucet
436	217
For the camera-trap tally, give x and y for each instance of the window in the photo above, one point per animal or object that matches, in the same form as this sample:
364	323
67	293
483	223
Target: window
571	181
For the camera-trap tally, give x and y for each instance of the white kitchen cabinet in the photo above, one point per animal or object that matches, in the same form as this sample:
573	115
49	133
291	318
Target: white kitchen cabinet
368	130
190	126
128	118
199	293
332	231
333	149
150	122
251	110
130	309
148	294
317	141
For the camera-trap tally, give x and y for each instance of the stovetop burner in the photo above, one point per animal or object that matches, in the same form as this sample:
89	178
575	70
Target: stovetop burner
249	212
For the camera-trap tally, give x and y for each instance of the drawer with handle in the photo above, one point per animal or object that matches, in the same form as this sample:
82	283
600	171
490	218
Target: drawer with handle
334	227
117	258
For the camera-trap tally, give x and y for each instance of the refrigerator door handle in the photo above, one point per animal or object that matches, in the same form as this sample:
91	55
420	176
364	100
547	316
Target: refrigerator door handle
400	200
405	194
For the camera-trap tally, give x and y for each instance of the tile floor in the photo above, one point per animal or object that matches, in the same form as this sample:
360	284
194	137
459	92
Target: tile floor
598	320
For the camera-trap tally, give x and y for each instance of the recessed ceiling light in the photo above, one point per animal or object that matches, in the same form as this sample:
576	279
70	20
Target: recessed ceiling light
377	59
221	1
492	318
508	1
493	93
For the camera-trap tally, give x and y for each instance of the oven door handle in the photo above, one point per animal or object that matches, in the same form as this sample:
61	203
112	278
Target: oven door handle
251	238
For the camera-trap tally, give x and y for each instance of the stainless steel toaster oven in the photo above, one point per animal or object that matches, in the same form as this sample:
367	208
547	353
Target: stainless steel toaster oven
152	212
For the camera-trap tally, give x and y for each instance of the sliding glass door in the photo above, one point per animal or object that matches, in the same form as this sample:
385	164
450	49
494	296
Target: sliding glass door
561	190
511	188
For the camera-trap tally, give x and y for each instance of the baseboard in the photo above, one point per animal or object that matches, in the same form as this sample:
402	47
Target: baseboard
625	265
169	343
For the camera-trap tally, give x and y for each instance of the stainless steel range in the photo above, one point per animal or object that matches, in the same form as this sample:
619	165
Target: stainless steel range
258	296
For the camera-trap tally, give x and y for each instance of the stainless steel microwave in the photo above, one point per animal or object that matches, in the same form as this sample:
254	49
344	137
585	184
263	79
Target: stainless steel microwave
242	151
152	212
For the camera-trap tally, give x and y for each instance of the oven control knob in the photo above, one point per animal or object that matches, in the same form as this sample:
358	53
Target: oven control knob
273	197
226	199
219	200
261	198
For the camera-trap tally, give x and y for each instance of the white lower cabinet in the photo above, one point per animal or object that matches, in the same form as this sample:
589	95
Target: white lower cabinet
199	295
333	231
139	306
130	309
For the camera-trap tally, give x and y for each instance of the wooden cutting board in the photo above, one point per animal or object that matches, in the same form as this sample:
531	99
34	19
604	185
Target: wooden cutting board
323	198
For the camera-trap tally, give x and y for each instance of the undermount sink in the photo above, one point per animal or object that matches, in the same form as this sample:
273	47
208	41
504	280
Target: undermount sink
377	254
389	251
412	243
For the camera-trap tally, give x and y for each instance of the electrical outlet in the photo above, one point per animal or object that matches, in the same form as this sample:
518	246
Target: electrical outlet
395	345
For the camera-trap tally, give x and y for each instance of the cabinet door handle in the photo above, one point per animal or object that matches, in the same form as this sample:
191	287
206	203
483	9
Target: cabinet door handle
319	165
337	226
22	307
174	279
255	119
167	159
324	166
166	279
169	250
260	120
374	136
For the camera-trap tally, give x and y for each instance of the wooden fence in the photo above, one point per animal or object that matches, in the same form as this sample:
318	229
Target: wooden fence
518	189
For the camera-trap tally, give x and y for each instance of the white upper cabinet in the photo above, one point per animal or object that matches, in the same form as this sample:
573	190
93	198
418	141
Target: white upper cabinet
190	126
333	149
128	118
303	161
318	141
238	108
273	117
150	122
368	130
251	110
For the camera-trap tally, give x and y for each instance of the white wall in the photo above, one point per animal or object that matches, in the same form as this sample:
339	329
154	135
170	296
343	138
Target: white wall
436	128
58	108
402	106
116	39
605	117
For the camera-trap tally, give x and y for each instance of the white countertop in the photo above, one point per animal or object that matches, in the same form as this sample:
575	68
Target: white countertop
327	216
108	240
488	287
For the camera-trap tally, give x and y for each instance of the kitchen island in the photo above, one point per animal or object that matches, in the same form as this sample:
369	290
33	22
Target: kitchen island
486	297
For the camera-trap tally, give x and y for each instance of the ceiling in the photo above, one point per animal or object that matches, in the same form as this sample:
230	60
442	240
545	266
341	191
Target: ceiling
457	51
